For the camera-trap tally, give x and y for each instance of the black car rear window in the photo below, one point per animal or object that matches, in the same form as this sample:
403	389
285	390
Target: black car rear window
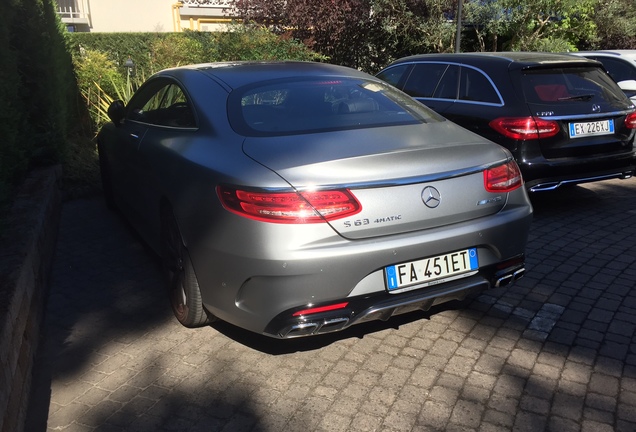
569	85
320	105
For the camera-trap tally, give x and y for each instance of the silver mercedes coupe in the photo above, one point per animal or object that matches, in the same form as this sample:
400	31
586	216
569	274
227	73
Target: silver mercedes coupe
297	198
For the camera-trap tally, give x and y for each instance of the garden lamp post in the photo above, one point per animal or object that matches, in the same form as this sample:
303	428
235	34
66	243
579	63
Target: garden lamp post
128	64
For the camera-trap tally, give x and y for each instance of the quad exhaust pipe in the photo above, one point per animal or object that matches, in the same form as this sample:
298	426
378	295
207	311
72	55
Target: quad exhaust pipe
510	277
313	327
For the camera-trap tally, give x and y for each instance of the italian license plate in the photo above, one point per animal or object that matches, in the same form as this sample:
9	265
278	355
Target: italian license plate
601	127
431	271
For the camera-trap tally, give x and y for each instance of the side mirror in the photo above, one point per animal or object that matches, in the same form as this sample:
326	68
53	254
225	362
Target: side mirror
116	112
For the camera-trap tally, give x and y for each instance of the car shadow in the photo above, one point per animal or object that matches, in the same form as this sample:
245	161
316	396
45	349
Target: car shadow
273	346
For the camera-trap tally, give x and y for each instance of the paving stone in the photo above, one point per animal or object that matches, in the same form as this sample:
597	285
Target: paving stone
526	421
567	406
599	416
576	372
498	418
560	424
508	385
434	414
467	413
535	405
604	384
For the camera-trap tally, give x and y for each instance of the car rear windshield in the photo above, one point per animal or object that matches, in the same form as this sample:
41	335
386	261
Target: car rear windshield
319	105
570	85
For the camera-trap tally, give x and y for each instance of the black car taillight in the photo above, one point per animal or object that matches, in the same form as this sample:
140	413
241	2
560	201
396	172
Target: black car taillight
630	120
525	128
290	207
503	178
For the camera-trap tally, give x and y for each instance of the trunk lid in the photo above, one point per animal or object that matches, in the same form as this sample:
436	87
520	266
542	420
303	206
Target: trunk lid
588	106
389	169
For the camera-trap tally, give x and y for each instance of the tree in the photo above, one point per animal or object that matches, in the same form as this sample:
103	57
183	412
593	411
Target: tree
540	25
616	26
368	34
406	27
487	20
335	28
365	34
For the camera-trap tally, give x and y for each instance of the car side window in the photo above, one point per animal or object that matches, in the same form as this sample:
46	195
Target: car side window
394	74
448	86
423	81
162	105
474	86
618	69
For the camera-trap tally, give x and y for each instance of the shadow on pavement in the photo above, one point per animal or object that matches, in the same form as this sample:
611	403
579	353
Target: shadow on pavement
553	351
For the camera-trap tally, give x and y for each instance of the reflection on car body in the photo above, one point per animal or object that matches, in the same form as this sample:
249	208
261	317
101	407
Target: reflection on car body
282	196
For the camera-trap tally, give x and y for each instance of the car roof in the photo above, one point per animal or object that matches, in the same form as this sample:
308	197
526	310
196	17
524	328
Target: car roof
239	73
520	59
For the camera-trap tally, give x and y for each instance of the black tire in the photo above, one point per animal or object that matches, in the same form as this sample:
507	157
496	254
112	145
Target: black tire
180	279
107	185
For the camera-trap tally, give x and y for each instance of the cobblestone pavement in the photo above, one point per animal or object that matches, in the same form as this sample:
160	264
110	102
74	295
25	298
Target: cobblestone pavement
556	351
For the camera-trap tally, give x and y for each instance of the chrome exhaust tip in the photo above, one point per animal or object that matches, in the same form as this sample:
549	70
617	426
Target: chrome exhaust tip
510	277
518	274
314	327
503	281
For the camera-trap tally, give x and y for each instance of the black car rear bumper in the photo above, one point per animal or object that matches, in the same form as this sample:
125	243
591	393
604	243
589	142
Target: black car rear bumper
542	177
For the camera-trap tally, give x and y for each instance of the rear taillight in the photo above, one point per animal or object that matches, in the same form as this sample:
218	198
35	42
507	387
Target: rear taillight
525	128
630	120
503	178
290	207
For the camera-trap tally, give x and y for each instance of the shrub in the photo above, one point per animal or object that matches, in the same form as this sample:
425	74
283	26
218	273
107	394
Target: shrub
99	58
258	43
97	77
176	49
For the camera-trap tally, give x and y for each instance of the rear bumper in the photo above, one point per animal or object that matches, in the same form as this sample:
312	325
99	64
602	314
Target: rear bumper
554	174
259	294
382	306
553	183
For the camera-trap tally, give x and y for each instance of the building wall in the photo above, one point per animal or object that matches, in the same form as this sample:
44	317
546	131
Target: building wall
144	15
131	15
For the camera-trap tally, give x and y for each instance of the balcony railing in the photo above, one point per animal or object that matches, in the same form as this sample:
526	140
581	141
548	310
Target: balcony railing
208	3
73	11
202	12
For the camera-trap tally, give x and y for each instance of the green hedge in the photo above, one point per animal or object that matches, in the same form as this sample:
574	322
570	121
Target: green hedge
100	58
13	159
37	88
151	52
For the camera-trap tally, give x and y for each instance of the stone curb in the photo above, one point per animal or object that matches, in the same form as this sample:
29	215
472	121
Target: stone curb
26	256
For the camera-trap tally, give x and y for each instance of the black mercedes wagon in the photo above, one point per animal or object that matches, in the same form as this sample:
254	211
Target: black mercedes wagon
563	117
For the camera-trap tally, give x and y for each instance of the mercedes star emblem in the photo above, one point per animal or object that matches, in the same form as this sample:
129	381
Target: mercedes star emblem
431	197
